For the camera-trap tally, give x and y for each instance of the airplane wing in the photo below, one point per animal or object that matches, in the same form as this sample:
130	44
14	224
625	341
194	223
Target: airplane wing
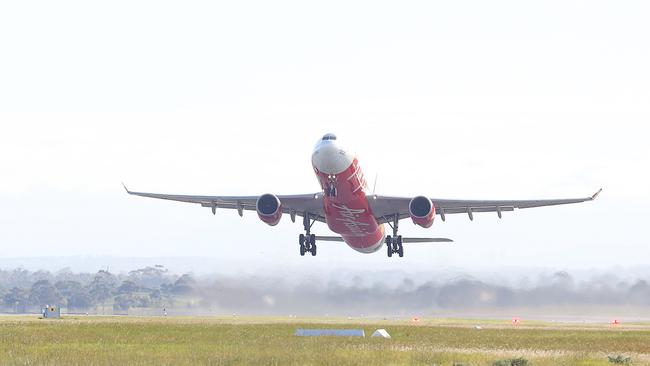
385	207
294	205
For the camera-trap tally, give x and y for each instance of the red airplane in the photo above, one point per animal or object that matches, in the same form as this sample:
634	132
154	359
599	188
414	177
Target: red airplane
346	205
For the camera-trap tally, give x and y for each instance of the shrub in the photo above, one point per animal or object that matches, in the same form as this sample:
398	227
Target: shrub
512	362
620	360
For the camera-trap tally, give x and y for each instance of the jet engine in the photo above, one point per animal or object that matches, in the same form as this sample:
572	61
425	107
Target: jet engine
422	211
269	209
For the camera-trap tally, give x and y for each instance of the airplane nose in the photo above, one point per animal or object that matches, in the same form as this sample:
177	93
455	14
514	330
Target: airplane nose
328	157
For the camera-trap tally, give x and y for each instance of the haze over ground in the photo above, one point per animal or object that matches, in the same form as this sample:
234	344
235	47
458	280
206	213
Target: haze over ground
454	100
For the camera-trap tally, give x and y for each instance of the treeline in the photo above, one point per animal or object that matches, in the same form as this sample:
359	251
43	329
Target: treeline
152	289
24	291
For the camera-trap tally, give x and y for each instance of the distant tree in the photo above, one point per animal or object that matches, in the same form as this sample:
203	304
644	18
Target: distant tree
20	277
75	294
639	293
102	286
16	298
41	275
127	287
155	295
151	277
184	285
68	287
65	274
43	292
166	289
123	302
563	280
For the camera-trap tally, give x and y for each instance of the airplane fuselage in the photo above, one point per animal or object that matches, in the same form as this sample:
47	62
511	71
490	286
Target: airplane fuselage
346	206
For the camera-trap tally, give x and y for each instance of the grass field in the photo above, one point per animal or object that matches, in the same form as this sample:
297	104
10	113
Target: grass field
27	340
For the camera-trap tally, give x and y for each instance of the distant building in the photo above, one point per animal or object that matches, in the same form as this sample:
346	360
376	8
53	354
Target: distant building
51	311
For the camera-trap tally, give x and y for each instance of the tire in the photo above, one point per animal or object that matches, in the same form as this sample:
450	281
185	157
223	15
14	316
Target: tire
312	239
313	250
301	239
302	250
390	251
389	240
400	251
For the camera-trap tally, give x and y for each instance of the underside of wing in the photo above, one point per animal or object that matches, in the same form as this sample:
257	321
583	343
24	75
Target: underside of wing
294	205
386	208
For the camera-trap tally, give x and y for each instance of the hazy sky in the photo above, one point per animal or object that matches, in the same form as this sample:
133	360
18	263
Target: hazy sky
447	99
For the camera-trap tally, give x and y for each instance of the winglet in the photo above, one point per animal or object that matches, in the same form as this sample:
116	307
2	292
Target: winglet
126	189
596	194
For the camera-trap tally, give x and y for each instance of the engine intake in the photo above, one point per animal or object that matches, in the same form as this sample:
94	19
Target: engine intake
269	209
422	211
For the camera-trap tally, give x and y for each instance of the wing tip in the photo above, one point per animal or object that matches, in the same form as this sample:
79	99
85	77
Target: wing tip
126	189
593	197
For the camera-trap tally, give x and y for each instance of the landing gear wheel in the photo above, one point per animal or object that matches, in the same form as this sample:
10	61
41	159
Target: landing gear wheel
301	241
312	244
389	245
400	247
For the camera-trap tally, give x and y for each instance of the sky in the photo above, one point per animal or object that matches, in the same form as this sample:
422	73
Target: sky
463	99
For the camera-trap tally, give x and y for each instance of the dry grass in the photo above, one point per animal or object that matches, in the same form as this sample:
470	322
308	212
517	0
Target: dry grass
270	341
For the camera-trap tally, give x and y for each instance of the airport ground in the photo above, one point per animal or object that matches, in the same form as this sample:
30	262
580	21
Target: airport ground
115	340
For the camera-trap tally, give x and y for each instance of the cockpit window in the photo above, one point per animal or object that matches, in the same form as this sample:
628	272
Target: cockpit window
329	136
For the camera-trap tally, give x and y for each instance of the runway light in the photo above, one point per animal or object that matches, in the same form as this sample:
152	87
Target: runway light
415	320
516	321
616	322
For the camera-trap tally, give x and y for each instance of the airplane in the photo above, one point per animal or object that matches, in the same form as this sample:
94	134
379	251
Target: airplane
349	209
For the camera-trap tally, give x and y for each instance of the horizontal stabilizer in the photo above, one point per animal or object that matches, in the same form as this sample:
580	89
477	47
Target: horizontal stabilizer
426	240
329	238
404	240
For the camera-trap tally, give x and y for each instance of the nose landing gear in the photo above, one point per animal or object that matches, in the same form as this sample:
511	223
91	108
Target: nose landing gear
307	241
330	190
394	243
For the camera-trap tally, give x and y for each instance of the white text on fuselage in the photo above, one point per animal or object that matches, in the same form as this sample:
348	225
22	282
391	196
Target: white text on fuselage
350	218
360	179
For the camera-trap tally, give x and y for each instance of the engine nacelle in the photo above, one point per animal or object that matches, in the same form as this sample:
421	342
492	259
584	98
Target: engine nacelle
269	209
422	211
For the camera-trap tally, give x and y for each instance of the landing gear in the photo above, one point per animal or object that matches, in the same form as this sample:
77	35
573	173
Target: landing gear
389	245
307	241
394	243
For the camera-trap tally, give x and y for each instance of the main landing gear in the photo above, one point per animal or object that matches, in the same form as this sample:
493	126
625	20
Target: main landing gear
394	243
307	240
